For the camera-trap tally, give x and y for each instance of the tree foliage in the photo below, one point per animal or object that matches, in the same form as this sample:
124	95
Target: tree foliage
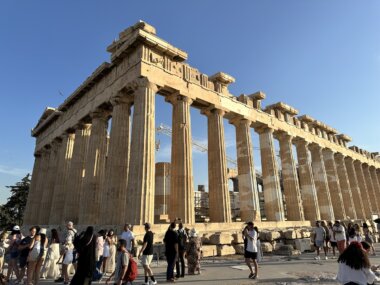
12	212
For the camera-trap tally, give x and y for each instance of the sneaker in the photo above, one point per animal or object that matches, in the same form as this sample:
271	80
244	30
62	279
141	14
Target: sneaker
317	258
154	283
326	258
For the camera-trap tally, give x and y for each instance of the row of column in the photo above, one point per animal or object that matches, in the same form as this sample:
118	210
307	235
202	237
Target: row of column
73	179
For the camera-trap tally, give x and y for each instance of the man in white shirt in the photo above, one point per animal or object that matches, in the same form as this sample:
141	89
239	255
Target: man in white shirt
340	236
129	236
250	253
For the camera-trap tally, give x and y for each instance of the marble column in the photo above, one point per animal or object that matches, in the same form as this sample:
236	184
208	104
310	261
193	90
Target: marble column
33	199
117	162
90	202
62	176
44	167
76	173
363	189
181	203
308	189
219	197
321	184
345	186
162	192
334	185
375	183
370	188
355	189
48	185
274	207
248	193
140	201
291	185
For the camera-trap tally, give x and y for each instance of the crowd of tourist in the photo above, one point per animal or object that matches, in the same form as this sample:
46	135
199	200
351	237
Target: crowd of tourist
92	256
89	256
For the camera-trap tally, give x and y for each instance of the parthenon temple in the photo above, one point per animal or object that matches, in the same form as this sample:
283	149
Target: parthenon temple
91	174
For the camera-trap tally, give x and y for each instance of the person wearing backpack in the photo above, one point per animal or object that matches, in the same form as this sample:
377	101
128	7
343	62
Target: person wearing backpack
147	254
122	262
182	240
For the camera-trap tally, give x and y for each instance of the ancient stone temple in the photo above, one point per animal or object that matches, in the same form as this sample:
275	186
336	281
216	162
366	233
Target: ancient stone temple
85	175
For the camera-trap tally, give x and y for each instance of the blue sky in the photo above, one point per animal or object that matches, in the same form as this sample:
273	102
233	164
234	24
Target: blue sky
321	57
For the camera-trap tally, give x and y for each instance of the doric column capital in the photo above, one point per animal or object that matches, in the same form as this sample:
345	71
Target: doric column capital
298	141
263	129
177	97
339	155
240	120
315	147
357	162
328	151
209	111
283	136
81	126
100	114
138	83
121	98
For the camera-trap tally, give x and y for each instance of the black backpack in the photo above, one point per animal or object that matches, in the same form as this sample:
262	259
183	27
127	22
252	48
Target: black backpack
182	239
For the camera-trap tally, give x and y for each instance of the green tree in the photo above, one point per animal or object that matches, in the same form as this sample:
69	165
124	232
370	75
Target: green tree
12	212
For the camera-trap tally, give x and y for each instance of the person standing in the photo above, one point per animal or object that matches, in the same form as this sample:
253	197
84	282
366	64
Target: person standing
111	262
13	242
68	247
319	238
51	268
327	238
340	236
171	251
122	261
369	239
182	240
333	243
250	253
24	249
193	253
129	237
85	245
147	254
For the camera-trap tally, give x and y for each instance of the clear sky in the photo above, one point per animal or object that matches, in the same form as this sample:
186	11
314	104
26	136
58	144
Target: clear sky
321	57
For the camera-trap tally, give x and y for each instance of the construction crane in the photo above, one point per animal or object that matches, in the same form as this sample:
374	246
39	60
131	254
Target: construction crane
166	130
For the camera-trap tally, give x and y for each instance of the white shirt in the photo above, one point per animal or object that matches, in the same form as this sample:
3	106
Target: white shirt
320	233
339	236
363	276
128	236
252	244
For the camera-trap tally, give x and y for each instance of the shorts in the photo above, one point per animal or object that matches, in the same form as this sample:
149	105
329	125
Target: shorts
318	243
23	260
68	259
146	259
14	254
251	255
334	244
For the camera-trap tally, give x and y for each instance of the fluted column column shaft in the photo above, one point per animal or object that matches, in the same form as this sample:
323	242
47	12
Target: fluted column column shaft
375	183
181	203
48	187
321	184
274	208
292	192
94	164
345	186
334	185
363	189
33	199
117	163
308	189
219	197
140	201
355	189
370	188
60	185
76	173
248	193
37	203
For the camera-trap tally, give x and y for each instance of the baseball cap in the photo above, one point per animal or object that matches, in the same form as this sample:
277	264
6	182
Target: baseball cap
16	228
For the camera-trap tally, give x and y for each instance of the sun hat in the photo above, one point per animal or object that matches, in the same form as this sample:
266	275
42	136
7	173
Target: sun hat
43	231
16	228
